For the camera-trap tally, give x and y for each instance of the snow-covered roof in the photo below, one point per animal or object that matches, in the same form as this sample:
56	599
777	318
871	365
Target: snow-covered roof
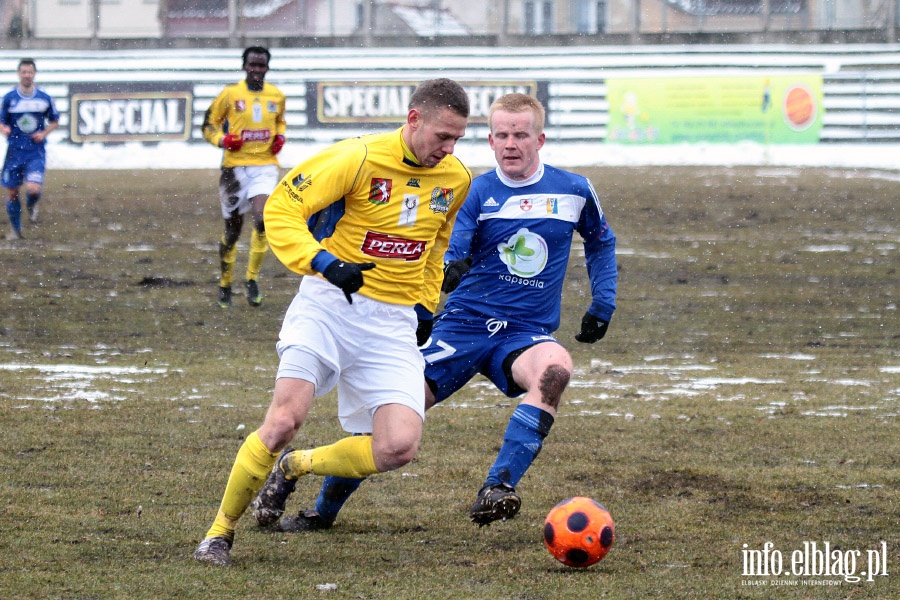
217	9
425	21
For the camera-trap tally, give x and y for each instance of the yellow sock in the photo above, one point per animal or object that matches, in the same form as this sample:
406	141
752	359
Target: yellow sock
258	248
249	473
350	457
227	257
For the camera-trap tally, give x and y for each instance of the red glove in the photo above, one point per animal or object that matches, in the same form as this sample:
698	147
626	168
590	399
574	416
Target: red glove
277	143
232	142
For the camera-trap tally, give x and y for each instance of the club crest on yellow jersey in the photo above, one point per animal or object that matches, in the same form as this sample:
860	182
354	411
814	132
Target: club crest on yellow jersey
441	199
380	190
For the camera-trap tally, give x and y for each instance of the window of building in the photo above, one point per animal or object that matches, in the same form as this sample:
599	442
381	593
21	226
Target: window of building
538	17
360	15
590	16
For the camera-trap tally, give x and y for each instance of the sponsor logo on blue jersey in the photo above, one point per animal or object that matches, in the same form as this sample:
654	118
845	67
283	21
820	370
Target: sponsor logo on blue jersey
27	123
524	254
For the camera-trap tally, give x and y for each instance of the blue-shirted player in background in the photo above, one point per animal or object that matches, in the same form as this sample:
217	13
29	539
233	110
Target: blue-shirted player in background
505	267
27	116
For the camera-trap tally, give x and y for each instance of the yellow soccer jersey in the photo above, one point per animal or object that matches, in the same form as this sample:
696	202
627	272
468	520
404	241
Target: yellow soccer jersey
256	116
396	215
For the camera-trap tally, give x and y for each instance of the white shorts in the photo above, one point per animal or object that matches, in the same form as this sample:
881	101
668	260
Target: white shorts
368	349
237	185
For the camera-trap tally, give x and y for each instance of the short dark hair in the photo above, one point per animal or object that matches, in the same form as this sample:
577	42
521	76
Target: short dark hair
440	93
256	50
26	61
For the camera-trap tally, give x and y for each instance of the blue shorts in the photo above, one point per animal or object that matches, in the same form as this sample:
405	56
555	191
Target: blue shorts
463	344
20	167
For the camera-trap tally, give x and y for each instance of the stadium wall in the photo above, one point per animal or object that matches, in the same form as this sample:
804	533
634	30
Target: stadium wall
158	97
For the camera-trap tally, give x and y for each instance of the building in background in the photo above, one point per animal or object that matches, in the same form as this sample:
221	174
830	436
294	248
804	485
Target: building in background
155	23
90	19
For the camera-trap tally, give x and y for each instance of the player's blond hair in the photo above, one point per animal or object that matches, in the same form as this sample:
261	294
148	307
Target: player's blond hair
517	103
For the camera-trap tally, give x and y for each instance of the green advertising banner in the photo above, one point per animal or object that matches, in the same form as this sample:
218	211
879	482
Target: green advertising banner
776	109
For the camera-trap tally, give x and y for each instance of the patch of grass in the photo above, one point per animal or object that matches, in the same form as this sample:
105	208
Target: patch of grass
747	393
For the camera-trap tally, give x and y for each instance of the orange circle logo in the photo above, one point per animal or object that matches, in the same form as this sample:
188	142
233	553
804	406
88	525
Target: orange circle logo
799	108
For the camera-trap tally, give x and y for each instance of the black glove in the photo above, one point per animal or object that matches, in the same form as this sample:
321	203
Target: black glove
423	331
426	324
453	272
592	329
347	276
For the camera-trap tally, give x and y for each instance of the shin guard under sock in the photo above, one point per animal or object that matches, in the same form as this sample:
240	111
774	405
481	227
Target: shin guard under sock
522	442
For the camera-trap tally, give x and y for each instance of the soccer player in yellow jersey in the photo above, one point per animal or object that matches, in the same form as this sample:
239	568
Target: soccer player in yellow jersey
364	305
247	121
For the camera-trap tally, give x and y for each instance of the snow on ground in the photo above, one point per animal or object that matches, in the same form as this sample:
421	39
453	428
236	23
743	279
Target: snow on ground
72	382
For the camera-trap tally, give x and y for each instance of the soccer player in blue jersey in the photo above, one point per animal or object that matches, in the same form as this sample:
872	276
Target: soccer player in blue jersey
505	267
27	116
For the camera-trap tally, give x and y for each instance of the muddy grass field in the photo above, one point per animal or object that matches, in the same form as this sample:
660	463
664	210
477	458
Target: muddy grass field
741	416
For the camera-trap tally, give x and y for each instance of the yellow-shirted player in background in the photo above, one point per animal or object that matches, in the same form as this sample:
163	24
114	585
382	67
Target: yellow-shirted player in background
400	192
247	121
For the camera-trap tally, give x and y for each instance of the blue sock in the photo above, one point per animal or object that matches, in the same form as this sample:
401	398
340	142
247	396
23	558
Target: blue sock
14	211
31	200
522	442
334	493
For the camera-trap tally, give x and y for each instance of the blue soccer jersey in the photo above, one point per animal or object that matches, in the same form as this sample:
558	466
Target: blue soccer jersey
25	115
519	235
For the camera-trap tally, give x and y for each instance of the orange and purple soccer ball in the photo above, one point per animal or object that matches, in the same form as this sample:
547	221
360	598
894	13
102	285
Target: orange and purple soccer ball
579	532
